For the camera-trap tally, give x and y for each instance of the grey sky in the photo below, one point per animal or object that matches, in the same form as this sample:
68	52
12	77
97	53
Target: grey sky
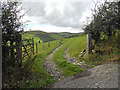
59	13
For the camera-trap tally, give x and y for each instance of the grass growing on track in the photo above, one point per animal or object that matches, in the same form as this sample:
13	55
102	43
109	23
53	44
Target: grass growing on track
38	77
58	57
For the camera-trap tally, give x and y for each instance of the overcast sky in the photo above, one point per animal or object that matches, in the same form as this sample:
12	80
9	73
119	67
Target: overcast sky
57	15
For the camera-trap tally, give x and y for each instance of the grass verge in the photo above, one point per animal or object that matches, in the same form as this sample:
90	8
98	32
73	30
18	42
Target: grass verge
32	74
39	78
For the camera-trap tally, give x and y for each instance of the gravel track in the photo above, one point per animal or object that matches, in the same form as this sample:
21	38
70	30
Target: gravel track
103	76
69	58
75	60
51	66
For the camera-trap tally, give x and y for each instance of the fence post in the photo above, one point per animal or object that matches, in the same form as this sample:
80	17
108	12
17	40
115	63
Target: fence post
43	46
48	44
118	39
36	48
19	51
89	45
33	45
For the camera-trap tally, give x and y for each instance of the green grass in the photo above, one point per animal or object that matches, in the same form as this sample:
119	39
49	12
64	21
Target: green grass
46	37
55	36
27	36
38	73
58	57
77	46
38	77
36	39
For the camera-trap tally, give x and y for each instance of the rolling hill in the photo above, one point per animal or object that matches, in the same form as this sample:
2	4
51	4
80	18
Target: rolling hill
45	37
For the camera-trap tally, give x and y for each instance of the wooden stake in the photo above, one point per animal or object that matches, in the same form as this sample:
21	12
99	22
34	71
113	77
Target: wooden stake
36	48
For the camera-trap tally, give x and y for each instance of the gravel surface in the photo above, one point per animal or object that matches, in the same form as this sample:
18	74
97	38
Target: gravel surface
69	58
75	60
51	66
103	76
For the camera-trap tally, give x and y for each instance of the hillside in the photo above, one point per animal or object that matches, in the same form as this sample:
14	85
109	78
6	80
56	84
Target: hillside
45	37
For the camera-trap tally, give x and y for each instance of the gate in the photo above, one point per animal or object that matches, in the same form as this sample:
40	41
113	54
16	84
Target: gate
27	48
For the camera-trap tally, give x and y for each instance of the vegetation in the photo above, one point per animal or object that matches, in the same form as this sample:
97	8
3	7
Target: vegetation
104	29
77	46
58	57
46	37
108	51
38	78
105	32
28	36
32	73
36	40
67	35
42	35
11	29
105	20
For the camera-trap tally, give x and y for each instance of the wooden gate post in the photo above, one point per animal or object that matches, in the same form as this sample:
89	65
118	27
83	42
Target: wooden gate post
43	46
36	48
118	44
33	45
48	44
89	44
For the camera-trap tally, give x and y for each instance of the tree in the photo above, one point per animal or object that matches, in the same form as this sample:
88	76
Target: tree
105	19
11	28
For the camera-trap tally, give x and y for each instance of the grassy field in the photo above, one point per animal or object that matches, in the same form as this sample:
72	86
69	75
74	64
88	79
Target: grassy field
46	37
27	36
77	46
58	57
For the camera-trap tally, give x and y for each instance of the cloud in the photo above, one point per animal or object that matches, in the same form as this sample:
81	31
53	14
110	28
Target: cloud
58	13
52	28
